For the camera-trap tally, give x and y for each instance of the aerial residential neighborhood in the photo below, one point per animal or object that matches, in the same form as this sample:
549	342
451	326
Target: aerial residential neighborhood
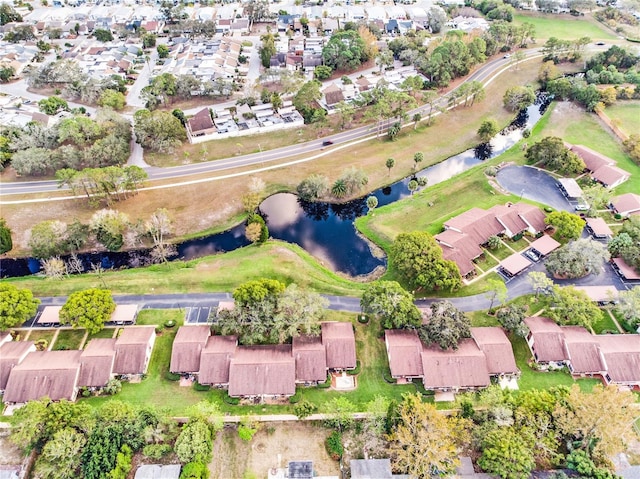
334	239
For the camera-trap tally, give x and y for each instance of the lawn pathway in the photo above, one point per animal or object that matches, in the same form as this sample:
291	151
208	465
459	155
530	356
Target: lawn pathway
615	321
53	340
84	339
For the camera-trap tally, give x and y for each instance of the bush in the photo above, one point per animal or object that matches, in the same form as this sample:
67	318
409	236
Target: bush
295	398
195	470
304	409
229	400
363	318
491	171
386	375
169	324
334	445
169	376
326	384
201	387
113	387
156	451
356	370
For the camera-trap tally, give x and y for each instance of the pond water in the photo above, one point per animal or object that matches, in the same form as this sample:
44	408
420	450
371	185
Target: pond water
325	230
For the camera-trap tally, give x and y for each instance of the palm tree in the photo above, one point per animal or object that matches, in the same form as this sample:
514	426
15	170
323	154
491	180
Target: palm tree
417	158
339	188
413	186
390	164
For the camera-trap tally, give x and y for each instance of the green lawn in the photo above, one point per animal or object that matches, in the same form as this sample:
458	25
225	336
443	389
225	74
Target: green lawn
104	333
565	27
38	334
485	262
155	389
69	339
625	115
502	252
605	324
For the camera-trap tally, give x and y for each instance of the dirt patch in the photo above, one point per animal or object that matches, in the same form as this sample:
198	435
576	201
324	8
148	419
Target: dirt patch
9	453
274	445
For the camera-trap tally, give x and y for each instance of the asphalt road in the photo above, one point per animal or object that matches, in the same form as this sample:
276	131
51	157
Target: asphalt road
483	74
533	184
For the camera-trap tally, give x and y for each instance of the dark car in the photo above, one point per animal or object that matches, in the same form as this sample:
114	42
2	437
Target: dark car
327	143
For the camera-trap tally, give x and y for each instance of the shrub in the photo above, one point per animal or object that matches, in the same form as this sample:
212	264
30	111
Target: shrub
156	451
229	400
326	384
195	470
356	370
169	324
295	398
201	387
114	386
304	409
386	375
363	319
334	445
169	376
491	171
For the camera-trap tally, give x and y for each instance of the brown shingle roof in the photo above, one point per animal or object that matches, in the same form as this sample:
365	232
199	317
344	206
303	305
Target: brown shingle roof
310	358
495	345
465	367
627	271
12	353
583	350
592	159
610	175
216	358
627	203
132	349
96	362
186	349
44	373
262	370
404	350
201	121
333	94
622	356
340	344
548	339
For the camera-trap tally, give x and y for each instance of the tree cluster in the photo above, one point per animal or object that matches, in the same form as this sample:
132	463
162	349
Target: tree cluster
576	89
17	305
577	259
268	312
568	226
558	50
551	153
418	258
571	306
392	304
445	326
77	142
158	131
167	88
496	10
345	50
626	242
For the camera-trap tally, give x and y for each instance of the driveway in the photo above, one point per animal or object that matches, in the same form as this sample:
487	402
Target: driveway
533	184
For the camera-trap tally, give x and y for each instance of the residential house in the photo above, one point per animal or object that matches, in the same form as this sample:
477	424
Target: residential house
201	124
614	358
600	167
215	360
267	370
340	344
627	204
488	353
96	363
53	374
12	353
310	359
464	234
133	350
187	348
332	95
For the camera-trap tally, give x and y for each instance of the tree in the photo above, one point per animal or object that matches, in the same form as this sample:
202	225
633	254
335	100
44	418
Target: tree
384	59
48	239
392	304
423	443
112	99
573	307
61	456
600	420
567	225
322	72
194	470
547	72
507	453
340	413
390	163
102	35
148	40
16	306
413	186
52	105
158	131
122	465
628	306
511	318
418	157
517	98
488	129
372	203
306	100
8	14
194	444
163	50
446	326
497	290
418	258
268	49
109	226
6	72
577	259
345	50
159	226
551	153
6	243
632	147
314	187
88	309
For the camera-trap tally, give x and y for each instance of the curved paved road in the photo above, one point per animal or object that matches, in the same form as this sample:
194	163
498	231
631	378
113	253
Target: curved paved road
485	74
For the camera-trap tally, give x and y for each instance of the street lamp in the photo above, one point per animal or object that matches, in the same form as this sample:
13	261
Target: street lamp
521	193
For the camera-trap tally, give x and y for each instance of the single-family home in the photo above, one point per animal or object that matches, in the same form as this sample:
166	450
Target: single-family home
53	374
404	350
310	358
201	124
133	350
340	345
266	370
621	354
187	347
215	360
455	369
600	167
545	340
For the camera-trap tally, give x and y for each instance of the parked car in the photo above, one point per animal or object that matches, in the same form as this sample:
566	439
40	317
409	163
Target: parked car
582	207
532	255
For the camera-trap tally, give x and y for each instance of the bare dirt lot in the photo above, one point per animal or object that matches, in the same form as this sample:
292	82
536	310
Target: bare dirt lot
274	445
9	453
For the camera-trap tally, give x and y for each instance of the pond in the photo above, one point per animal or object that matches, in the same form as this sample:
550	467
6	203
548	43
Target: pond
325	230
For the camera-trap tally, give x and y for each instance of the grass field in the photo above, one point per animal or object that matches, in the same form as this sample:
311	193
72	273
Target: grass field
38	334
105	333
69	339
624	114
605	324
565	27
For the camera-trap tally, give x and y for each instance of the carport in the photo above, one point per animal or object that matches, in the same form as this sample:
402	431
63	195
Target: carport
514	264
50	316
545	245
599	228
570	188
624	270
